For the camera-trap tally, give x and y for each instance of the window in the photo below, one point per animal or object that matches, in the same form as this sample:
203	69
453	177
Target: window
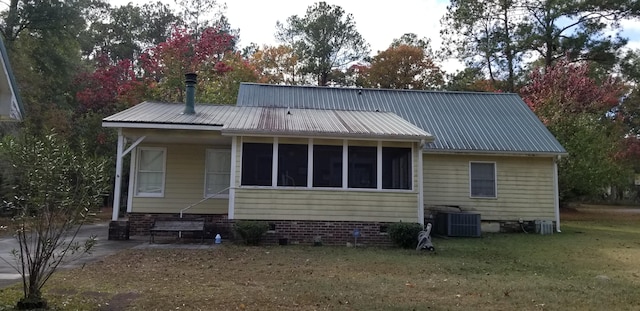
150	173
327	166
218	172
257	162
483	179
396	168
362	167
292	165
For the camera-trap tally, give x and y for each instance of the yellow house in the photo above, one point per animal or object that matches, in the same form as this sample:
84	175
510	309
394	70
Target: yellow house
325	162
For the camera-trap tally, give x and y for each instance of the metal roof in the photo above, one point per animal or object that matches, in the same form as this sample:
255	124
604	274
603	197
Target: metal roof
271	121
10	102
460	121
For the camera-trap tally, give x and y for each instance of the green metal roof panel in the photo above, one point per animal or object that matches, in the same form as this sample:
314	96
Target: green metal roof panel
10	101
271	121
460	121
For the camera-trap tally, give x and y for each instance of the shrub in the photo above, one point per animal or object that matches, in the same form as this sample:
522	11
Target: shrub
404	234
250	231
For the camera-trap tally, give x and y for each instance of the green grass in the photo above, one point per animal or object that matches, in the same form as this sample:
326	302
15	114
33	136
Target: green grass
591	265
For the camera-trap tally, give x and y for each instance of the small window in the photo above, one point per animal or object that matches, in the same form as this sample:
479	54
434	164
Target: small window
362	167
327	166
150	172
218	172
257	164
483	179
396	168
292	165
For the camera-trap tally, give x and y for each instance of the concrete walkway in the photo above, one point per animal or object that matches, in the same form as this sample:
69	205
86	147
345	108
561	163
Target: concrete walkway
103	247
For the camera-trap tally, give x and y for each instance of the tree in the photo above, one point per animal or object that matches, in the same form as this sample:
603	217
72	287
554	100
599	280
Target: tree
406	64
221	85
165	64
276	65
127	30
323	40
52	189
582	38
574	106
495	35
483	33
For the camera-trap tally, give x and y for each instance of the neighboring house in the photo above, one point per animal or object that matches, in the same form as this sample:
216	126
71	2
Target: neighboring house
10	103
323	162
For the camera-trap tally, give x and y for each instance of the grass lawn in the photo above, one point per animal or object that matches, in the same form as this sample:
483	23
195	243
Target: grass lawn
592	265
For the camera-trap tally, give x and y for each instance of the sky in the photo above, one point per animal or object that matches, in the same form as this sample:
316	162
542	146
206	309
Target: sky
378	21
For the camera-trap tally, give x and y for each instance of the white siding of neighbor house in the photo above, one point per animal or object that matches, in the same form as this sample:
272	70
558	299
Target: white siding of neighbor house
184	183
277	203
524	186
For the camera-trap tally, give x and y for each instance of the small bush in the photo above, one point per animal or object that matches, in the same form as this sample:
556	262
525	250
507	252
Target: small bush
250	231
404	234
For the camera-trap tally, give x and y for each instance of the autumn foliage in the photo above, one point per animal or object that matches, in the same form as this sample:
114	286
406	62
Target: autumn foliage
402	67
108	85
566	89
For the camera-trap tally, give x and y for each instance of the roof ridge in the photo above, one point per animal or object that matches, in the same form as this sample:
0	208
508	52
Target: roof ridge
375	89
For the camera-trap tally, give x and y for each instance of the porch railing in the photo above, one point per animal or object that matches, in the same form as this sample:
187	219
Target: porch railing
206	198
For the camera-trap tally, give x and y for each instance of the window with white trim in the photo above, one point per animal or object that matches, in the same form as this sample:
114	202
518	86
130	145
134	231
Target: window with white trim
396	168
482	176
218	172
257	164
327	166
292	165
363	167
150	172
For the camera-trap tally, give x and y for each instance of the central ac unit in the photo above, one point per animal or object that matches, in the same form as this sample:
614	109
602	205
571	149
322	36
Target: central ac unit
458	224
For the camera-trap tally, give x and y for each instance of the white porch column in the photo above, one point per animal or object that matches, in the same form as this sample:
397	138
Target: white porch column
118	183
235	144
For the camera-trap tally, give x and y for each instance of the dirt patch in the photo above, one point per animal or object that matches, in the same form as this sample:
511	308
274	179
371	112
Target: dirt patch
120	301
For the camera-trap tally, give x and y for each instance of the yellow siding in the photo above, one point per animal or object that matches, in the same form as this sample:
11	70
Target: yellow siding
296	204
173	133
525	186
184	183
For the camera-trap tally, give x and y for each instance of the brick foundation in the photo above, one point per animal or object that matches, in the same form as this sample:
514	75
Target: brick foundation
302	232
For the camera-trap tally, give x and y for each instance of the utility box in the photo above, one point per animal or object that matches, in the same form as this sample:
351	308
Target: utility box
544	226
458	224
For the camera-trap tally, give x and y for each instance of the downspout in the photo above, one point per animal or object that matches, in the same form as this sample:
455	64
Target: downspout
190	82
556	199
420	185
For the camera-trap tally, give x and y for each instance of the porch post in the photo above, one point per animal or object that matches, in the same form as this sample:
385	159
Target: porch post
118	183
235	144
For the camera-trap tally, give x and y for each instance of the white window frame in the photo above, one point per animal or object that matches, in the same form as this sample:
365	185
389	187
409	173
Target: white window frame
495	180
208	159
164	172
345	144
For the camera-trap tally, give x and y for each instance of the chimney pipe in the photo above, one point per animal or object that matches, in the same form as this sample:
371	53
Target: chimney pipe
190	81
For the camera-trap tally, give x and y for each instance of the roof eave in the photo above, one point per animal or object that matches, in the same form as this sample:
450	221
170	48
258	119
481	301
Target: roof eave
413	138
163	126
494	152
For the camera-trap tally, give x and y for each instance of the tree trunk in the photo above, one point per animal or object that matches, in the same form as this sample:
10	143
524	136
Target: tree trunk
10	31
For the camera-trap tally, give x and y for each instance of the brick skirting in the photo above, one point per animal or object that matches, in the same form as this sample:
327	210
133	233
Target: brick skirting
302	232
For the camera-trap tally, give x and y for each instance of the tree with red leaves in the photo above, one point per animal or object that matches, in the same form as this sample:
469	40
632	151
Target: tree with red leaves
576	107
165	64
108	86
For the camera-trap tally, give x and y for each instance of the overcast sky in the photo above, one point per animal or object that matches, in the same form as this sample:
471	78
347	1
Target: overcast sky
378	21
